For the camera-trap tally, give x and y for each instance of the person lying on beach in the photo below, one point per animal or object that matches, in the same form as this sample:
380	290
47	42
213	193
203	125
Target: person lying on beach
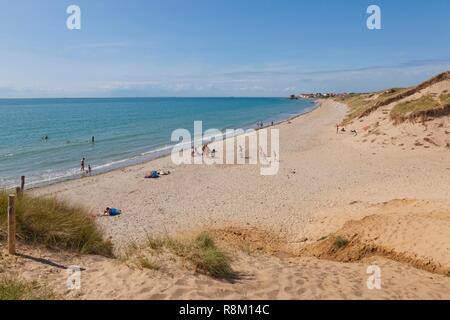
163	172
112	212
152	175
156	174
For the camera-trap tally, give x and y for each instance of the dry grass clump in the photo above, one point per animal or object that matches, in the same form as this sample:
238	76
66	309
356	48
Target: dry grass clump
55	224
423	107
340	242
363	104
444	98
14	289
358	105
201	252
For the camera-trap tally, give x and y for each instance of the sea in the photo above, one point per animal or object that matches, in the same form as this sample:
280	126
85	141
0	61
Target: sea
45	139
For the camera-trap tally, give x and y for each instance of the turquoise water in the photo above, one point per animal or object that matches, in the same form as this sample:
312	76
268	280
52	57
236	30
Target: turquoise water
126	130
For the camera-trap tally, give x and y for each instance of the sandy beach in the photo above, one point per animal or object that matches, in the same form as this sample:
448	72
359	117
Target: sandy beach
324	180
391	203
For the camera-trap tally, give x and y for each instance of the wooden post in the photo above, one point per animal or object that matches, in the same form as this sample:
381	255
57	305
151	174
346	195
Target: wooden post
18	192
22	183
12	224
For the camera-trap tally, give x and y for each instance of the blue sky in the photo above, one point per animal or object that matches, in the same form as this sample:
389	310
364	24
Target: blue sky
218	47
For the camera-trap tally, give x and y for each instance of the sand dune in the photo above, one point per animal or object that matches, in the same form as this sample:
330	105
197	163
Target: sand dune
400	230
261	277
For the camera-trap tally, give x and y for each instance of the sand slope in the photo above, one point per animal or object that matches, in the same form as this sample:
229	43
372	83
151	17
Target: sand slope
261	277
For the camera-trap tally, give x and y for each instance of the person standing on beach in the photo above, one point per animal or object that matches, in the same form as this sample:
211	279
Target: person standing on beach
82	164
337	128
93	139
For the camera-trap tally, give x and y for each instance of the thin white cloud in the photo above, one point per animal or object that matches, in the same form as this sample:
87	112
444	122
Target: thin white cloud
245	82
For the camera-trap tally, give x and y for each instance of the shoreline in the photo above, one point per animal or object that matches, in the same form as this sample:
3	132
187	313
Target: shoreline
160	154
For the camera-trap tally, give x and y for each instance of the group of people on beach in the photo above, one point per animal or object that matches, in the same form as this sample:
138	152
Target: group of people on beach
205	151
339	129
261	124
83	168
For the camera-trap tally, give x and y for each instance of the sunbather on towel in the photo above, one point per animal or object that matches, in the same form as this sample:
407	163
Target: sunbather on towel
163	172
153	174
112	212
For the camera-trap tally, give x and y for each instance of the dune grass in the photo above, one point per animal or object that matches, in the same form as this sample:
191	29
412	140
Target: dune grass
201	252
358	105
146	262
14	289
361	104
413	108
444	98
55	224
205	255
391	93
340	242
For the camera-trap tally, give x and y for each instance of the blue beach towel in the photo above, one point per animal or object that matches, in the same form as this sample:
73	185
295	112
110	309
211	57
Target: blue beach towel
114	212
153	174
